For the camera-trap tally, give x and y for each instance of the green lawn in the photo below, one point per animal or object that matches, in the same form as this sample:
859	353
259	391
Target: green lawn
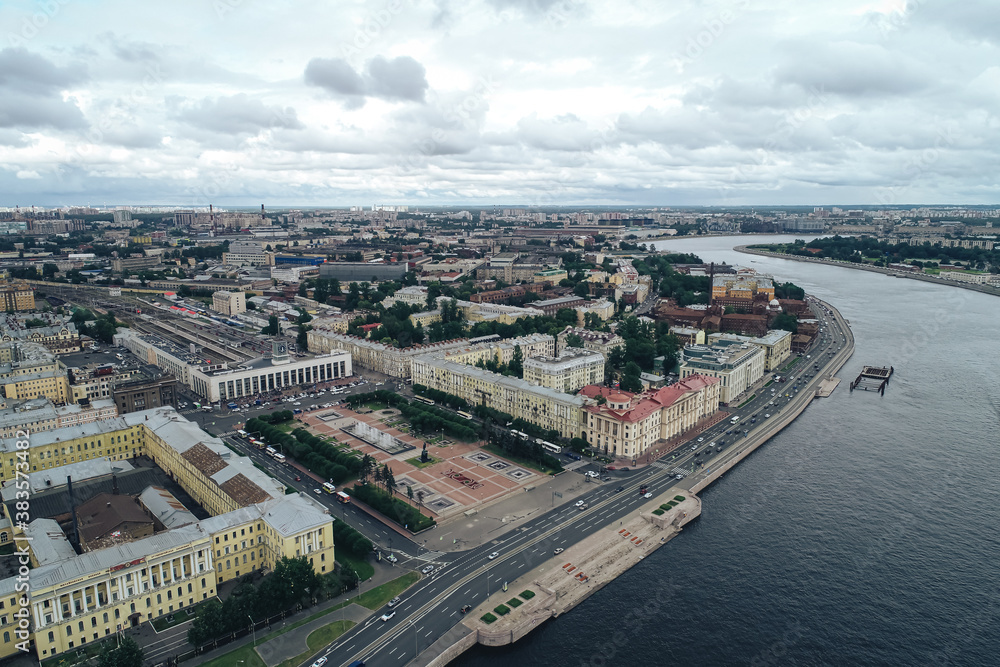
415	461
317	639
363	568
241	657
377	597
790	364
376	405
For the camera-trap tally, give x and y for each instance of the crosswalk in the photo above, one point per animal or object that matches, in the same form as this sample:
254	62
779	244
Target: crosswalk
430	556
225	434
662	465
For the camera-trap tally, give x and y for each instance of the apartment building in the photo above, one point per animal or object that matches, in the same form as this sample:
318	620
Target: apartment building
777	345
737	366
372	355
547	408
41	414
603	342
502	351
630	425
572	369
17	296
229	303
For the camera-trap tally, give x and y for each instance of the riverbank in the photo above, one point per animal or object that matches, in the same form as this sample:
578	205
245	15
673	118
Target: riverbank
560	584
927	278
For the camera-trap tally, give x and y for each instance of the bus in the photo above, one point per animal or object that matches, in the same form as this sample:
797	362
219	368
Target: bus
522	436
549	447
342	497
425	401
464	415
734	420
271	451
329	488
280	458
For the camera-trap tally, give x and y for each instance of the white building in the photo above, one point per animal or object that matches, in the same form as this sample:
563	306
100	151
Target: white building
571	370
262	376
738	366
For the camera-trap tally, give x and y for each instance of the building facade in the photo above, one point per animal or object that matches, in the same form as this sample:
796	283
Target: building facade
371	355
17	296
603	342
630	425
737	366
777	345
549	409
229	303
571	370
266	375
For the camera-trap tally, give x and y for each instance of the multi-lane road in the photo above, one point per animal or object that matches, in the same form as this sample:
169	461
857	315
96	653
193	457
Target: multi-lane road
432	607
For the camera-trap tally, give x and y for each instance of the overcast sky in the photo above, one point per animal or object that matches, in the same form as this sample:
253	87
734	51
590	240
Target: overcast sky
538	102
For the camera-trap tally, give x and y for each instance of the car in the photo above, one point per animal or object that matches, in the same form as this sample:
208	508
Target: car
320	662
466	608
318	492
493	555
625	469
393	602
591	473
694	447
297	403
578	503
767	416
679	476
701	439
647	496
298	478
392	558
619	489
427	569
612	468
605	479
386	616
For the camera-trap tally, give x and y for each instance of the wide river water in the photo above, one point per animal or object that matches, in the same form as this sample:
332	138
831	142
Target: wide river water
866	533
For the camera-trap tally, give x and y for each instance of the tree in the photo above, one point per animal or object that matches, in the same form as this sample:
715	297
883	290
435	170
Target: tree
573	340
516	365
49	271
582	289
786	321
631	380
272	328
127	653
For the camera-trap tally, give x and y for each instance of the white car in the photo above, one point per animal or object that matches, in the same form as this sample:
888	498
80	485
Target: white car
701	439
591	473
427	569
648	496
393	602
320	662
387	616
766	416
679	476
578	503
493	555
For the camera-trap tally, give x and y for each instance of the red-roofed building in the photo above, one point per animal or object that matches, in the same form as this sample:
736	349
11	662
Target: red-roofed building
629	425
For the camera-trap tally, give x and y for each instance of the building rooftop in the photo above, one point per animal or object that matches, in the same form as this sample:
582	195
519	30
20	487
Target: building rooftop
165	508
48	542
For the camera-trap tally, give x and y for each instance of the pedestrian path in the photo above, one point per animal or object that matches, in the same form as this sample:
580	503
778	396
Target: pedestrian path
294	642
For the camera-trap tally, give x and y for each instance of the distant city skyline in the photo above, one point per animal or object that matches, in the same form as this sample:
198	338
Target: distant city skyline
508	102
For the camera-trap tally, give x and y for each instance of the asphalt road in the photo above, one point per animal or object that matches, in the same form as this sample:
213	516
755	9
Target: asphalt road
433	606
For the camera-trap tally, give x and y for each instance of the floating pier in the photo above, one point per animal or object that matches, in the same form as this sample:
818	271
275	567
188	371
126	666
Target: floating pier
873	378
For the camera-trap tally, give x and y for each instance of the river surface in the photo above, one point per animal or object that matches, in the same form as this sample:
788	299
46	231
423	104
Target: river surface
866	533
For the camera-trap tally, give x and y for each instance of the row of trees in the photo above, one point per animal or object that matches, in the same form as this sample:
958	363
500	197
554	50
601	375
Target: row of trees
426	419
856	249
293	582
521	448
444	398
383	502
314	453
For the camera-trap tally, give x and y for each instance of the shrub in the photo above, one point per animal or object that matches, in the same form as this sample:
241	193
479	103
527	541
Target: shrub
488	618
664	507
658	512
502	609
527	595
393	508
679	499
514	602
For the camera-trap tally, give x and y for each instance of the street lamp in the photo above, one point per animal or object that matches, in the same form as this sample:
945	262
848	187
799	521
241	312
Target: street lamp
253	630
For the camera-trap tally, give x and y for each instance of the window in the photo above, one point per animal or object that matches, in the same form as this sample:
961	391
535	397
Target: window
69	630
52	636
6	637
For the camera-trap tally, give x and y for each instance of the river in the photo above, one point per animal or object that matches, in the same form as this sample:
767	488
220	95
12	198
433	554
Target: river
863	534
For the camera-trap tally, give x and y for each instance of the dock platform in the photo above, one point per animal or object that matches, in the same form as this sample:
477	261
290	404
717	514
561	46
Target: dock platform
873	378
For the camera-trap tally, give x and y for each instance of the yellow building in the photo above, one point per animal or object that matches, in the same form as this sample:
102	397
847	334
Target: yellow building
17	296
572	369
742	286
83	599
550	409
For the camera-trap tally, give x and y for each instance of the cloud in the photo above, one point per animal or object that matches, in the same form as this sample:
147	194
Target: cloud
401	78
30	92
239	114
